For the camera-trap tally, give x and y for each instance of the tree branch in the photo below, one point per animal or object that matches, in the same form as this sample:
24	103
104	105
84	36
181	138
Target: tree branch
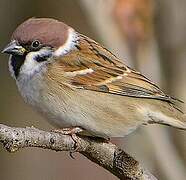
101	152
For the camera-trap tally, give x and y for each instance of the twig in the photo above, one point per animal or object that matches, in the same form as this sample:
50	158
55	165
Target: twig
97	150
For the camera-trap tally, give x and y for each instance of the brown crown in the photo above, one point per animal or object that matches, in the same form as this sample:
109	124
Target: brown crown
48	31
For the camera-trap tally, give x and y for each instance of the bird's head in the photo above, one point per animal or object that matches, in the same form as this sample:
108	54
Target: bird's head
37	42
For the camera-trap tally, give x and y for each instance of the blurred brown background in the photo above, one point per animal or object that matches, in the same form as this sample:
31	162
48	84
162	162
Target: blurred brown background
149	35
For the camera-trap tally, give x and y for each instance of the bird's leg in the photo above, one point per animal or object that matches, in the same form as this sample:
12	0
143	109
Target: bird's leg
72	131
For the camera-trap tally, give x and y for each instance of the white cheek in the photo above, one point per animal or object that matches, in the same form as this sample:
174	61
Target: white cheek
31	66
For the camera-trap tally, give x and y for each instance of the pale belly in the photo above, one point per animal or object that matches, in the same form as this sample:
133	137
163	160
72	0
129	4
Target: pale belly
100	114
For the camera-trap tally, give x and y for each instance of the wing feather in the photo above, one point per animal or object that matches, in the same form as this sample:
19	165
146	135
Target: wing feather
109	74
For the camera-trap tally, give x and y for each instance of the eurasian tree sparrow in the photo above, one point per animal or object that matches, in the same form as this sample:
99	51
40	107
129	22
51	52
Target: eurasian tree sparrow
76	82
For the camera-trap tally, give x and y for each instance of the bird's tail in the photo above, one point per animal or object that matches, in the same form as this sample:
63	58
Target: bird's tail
169	116
169	121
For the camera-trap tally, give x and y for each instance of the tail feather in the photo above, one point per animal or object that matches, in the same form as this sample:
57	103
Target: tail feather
160	118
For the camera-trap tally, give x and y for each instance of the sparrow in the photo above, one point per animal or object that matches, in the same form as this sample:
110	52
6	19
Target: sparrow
79	84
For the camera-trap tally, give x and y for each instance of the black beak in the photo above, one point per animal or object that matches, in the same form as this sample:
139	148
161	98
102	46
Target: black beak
14	48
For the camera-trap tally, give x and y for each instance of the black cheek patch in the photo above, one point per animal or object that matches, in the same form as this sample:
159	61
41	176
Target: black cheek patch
42	57
17	62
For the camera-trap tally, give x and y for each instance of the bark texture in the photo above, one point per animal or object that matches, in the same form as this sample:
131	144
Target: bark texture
104	153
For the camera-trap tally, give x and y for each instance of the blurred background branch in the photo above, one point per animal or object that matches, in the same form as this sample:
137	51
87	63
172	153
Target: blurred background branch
134	19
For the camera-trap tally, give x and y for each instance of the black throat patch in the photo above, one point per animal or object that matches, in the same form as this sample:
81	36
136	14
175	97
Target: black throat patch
17	62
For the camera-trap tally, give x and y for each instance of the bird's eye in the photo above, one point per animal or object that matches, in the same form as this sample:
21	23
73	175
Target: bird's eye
35	44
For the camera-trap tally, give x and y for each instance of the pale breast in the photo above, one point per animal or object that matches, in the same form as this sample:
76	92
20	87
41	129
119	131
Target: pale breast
100	114
51	102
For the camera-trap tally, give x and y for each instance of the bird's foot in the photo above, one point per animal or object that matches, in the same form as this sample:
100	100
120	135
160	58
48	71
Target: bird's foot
68	131
71	132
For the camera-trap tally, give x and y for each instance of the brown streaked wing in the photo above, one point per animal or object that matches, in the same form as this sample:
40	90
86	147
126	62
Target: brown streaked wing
109	75
107	81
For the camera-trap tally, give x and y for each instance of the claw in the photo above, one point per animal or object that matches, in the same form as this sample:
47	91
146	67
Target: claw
68	131
72	132
71	155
